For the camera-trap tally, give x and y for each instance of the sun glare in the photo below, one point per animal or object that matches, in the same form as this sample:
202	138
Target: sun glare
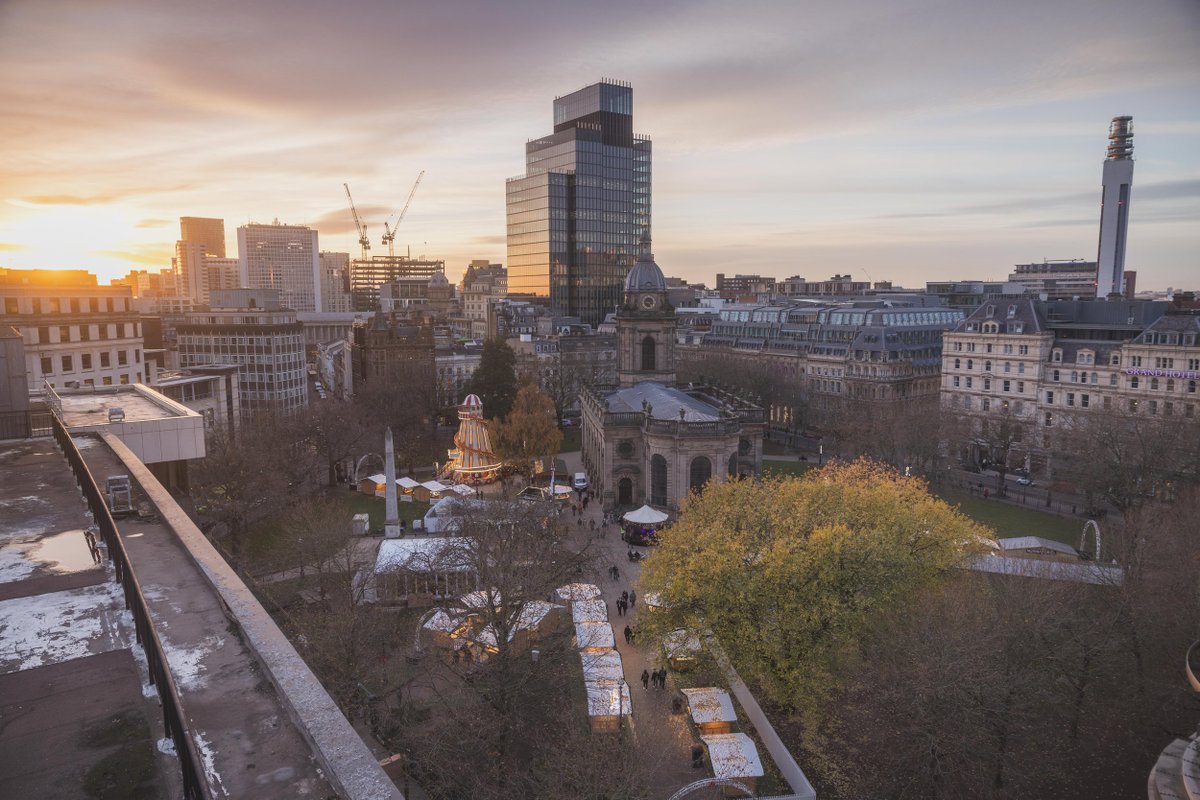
100	239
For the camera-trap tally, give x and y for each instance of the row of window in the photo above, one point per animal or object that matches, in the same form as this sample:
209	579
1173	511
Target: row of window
124	379
1008	349
1133	406
87	361
13	306
62	334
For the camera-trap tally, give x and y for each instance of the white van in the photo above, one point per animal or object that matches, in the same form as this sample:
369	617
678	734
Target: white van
580	483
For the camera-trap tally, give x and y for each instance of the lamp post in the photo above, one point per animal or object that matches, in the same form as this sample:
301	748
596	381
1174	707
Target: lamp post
820	454
621	702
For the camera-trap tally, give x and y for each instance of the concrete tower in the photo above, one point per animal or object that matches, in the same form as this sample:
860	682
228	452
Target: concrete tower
391	519
1114	206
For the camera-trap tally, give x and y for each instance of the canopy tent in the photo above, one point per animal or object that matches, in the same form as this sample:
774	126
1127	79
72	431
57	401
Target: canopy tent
711	709
602	666
594	636
645	516
435	487
407	484
462	490
608	699
654	601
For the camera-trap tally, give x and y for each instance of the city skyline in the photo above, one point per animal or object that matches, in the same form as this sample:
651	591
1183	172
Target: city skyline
909	144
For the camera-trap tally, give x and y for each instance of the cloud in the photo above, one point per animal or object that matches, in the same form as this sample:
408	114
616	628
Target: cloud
340	220
12	247
490	239
153	256
153	223
69	199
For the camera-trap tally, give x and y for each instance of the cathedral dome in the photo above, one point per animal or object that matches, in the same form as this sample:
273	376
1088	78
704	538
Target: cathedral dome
645	276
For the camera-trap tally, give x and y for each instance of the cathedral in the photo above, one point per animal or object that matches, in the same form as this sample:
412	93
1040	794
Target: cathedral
647	440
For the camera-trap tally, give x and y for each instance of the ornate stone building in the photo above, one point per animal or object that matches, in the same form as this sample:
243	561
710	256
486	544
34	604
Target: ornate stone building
646	441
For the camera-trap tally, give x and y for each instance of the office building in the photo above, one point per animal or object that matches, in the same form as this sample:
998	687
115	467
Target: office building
284	258
577	215
335	282
206	232
248	327
1114	206
1056	280
75	333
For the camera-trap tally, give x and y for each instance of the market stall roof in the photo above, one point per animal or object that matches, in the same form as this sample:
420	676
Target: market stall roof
444	622
645	516
463	490
589	611
681	643
578	591
482	598
435	486
592	635
654	600
436	554
406	483
710	705
560	490
380	478
602	697
733	755
532	614
602	666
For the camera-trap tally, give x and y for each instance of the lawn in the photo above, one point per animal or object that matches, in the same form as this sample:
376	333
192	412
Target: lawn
572	440
772	467
268	545
1009	520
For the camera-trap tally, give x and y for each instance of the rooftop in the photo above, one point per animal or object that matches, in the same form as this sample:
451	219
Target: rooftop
88	408
665	403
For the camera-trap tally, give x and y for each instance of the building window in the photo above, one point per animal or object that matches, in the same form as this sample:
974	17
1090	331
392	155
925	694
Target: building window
1049	398
1007	386
1070	398
1007	366
1112	379
968	381
1107	403
1049	419
958	363
122	358
987	384
85	360
1133	406
107	380
1153	407
1055	377
658	480
970	364
47	368
1021	368
1056	357
1170	384
1074	377
105	359
1154	384
1133	382
1191	387
700	473
1020	387
1083	400
68	364
987	404
955	381
987	366
648	354
732	467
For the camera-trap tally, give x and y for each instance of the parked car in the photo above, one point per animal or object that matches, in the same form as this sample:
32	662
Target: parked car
1025	480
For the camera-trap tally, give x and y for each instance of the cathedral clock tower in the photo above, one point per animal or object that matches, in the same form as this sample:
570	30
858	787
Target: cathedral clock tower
645	326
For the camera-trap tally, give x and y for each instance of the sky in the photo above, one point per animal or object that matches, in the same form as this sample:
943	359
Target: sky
902	140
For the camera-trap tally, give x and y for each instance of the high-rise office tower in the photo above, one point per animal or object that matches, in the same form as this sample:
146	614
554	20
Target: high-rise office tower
577	216
204	231
1114	206
285	258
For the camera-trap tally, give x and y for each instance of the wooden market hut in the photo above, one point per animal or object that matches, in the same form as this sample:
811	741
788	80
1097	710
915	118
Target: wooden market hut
734	756
711	710
609	704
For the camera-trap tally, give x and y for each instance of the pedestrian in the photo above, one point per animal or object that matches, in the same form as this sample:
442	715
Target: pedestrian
662	678
625	596
985	494
628	634
620	608
645	679
632	598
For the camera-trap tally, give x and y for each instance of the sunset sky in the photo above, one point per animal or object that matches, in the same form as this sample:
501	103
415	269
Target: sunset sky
908	141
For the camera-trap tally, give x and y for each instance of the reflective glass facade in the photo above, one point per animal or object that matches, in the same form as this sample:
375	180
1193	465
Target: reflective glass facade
577	215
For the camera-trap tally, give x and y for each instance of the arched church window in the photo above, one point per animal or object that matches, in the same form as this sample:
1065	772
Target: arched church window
625	492
658	480
733	465
701	471
648	353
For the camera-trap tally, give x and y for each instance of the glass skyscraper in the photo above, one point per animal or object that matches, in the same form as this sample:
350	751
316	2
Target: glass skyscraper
577	215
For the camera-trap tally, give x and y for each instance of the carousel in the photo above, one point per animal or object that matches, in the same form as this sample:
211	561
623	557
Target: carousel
472	459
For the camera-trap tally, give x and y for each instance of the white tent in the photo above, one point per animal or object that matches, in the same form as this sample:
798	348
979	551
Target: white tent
589	611
434	487
406	483
645	516
602	666
578	591
462	490
594	636
733	755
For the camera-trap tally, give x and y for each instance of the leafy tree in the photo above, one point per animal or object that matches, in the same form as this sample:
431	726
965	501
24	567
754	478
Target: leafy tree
495	380
789	572
530	432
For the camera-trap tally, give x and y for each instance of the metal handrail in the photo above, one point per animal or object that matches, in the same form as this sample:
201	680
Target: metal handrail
195	782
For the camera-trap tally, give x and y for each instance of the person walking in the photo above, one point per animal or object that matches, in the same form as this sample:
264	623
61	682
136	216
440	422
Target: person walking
662	678
625	595
645	679
628	635
632	598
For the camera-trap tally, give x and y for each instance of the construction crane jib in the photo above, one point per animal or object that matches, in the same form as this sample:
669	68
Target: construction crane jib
389	234
363	240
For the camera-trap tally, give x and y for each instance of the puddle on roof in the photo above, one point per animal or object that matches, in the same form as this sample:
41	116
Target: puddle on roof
62	553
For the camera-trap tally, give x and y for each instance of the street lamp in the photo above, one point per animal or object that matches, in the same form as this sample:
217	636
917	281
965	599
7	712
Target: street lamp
820	454
621	702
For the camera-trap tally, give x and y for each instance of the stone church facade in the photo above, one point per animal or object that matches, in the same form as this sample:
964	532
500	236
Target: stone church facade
647	440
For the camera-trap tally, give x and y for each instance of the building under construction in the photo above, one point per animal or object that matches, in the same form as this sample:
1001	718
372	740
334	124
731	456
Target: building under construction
368	274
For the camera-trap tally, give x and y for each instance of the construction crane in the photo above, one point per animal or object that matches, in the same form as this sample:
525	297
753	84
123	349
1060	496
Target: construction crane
362	229
389	234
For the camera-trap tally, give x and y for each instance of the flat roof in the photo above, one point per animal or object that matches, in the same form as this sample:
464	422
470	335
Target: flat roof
82	409
602	666
589	611
602	699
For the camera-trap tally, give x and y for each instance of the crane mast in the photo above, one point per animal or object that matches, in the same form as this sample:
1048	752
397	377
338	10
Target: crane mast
362	229
389	234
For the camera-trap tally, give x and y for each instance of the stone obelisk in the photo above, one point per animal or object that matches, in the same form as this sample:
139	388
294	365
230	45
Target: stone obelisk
391	522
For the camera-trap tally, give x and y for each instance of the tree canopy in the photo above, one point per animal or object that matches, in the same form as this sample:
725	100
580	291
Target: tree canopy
495	380
789	572
530	432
